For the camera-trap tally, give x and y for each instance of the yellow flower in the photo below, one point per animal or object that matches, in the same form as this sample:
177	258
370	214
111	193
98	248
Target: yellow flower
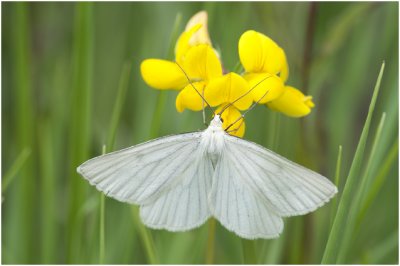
261	57
199	62
227	89
229	93
229	116
201	36
202	65
292	103
196	57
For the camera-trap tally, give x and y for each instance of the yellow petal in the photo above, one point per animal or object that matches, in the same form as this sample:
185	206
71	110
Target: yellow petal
201	36
292	103
258	53
201	62
229	116
228	89
188	98
265	87
162	74
183	45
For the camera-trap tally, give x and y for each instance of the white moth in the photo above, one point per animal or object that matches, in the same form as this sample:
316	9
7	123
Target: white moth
182	180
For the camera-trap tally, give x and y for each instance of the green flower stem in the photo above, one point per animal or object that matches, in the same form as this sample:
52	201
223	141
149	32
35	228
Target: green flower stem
210	241
340	223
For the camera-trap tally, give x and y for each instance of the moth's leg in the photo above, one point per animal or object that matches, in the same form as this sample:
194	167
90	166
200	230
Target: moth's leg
204	111
236	129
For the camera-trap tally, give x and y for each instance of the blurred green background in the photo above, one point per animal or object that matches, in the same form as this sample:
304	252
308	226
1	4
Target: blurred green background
62	64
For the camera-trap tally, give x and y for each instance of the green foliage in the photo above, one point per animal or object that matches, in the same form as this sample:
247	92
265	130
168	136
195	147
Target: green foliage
71	83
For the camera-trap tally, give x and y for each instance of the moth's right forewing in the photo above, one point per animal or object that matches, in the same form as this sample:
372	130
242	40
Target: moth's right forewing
289	188
138	173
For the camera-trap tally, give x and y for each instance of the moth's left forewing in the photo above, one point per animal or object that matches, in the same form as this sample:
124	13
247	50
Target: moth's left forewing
289	188
168	177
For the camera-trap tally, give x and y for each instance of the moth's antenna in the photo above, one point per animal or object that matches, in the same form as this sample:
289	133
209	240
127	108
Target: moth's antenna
247	92
190	82
248	110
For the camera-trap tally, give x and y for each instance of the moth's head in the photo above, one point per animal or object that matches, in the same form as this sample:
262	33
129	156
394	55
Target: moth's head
217	121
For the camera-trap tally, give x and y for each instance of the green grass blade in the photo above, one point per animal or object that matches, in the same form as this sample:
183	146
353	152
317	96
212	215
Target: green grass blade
337	180
275	125
20	235
211	241
340	222
174	36
154	132
80	124
145	237
367	173
273	253
162	95
14	169
48	194
358	198
249	252
389	245
116	114
102	241
379	180
119	102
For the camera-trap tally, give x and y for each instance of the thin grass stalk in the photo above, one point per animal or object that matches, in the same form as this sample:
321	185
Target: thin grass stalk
119	103
145	236
48	194
358	199
102	241
210	250
340	222
116	114
379	180
295	253
22	200
389	244
15	168
102	222
274	251
367	173
275	123
249	252
337	183
80	123
162	96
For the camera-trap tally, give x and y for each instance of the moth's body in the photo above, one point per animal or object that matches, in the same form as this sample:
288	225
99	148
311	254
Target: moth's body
212	139
180	181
